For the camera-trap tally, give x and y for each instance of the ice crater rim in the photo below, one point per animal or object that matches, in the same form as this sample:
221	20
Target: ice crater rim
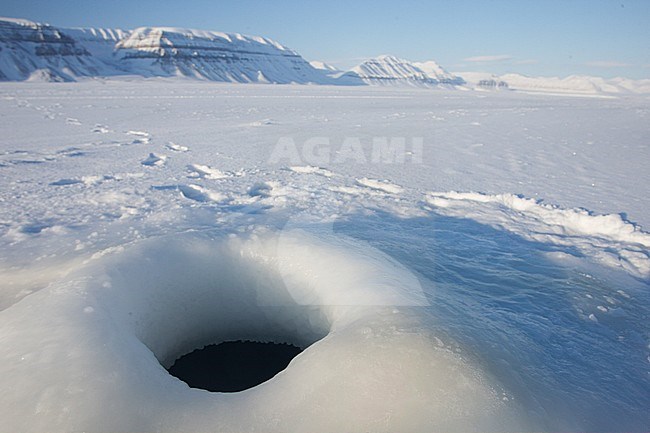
166	296
182	293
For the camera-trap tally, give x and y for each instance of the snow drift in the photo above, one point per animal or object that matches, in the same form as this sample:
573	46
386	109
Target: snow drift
607	238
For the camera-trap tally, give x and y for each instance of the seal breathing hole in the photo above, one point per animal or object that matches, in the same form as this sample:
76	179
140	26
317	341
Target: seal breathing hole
233	366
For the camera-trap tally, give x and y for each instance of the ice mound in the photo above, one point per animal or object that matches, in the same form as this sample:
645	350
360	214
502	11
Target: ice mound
89	352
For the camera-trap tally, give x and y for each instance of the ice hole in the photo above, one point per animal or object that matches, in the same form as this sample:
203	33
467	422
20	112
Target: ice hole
233	366
189	299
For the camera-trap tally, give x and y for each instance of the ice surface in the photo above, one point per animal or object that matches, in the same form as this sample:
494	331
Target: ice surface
500	283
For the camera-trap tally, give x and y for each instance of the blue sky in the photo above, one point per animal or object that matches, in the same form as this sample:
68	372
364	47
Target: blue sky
535	37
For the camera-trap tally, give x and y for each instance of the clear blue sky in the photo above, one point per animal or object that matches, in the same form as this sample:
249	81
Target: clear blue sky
536	37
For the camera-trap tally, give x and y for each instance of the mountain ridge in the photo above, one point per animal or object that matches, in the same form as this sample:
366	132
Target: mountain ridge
573	84
34	51
392	70
30	50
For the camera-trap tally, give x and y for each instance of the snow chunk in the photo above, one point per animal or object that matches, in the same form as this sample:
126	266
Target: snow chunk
201	194
309	169
66	182
154	160
138	133
177	147
205	171
101	129
380	185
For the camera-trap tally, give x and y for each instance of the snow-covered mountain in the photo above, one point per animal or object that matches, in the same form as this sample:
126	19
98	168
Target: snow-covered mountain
30	50
574	84
391	70
434	70
34	51
99	42
39	51
324	66
166	51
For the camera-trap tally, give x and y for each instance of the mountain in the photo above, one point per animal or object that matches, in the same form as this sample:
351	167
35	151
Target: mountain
166	51
30	50
437	72
99	42
34	51
391	70
574	84
323	66
39	51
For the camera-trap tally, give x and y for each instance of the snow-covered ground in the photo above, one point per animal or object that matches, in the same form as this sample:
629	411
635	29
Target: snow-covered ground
460	260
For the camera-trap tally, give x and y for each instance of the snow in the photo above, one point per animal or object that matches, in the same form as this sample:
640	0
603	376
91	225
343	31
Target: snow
310	169
205	171
498	283
154	160
201	194
380	185
177	147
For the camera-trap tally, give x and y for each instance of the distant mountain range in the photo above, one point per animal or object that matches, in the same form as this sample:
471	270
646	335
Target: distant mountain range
32	51
573	84
390	70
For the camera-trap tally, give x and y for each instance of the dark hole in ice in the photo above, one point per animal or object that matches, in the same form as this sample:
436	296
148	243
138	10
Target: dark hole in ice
233	365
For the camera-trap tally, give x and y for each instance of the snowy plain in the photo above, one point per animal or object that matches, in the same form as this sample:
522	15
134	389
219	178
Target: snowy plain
491	275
